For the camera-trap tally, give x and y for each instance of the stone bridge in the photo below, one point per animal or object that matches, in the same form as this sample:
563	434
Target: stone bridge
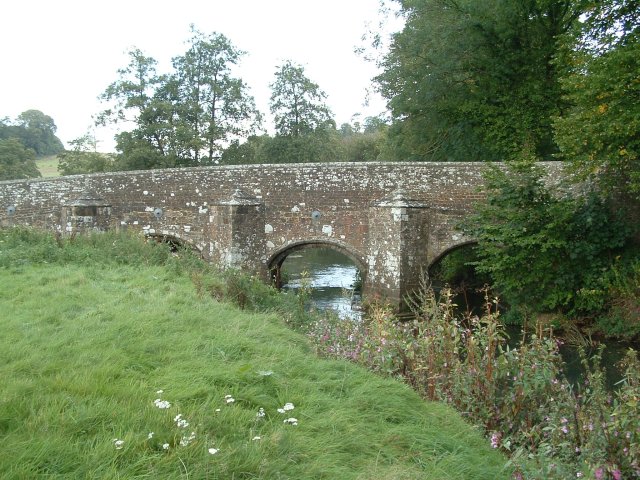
392	219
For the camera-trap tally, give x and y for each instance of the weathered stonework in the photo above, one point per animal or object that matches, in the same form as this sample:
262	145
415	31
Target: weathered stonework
393	219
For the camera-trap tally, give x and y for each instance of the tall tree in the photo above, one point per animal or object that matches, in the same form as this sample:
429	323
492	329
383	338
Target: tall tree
135	101
213	107
183	118
297	103
600	133
469	80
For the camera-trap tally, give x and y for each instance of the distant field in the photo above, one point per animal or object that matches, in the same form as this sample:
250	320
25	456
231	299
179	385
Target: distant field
48	166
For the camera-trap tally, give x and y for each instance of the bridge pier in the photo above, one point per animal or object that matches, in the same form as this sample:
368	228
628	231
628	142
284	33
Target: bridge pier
236	234
397	250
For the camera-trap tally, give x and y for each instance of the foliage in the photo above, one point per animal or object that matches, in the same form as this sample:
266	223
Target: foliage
125	322
542	248
598	134
35	130
297	103
518	396
183	118
16	160
325	144
83	158
470	80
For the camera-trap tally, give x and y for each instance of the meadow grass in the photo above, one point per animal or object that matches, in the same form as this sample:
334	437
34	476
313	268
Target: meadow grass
48	166
93	329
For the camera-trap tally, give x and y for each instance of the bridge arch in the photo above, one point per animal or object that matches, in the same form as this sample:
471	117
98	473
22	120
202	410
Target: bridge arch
175	241
448	250
278	257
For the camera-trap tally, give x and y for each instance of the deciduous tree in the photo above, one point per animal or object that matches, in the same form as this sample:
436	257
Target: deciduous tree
469	80
599	133
297	103
16	160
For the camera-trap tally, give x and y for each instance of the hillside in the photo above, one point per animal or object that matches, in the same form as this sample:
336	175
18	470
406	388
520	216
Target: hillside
99	333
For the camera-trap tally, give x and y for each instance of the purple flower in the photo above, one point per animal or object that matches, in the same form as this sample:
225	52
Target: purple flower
617	474
599	473
495	439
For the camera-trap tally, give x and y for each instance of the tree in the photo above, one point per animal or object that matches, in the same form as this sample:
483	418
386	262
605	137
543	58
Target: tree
599	133
39	132
16	160
35	130
213	107
543	249
83	158
183	118
469	80
297	103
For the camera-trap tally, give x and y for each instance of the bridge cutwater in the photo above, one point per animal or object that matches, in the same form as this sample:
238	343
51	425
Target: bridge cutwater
392	219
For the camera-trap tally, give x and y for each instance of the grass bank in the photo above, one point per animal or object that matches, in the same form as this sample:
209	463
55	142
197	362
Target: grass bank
94	328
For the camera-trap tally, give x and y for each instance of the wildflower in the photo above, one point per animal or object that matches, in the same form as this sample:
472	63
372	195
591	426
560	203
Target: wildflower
617	474
163	404
217	409
495	440
118	443
287	406
564	429
265	373
260	413
599	473
181	422
160	392
579	474
256	438
291	421
229	399
165	446
213	451
184	441
150	436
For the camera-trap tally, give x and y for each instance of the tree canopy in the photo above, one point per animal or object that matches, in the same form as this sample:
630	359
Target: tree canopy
34	130
469	80
599	132
16	160
186	117
297	103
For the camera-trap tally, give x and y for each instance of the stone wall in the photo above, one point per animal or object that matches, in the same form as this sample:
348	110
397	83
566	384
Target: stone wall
342	204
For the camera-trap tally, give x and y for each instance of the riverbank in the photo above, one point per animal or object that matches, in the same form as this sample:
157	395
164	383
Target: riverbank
117	361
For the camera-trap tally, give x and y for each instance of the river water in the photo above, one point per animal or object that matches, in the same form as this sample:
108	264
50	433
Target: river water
329	275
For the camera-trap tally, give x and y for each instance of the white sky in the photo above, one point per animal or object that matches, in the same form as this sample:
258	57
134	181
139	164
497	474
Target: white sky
59	56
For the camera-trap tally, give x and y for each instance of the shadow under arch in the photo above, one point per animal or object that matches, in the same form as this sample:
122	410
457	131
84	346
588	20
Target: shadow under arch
175	242
444	253
276	259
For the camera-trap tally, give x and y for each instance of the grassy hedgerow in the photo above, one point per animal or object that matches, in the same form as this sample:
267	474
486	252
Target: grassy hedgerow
99	332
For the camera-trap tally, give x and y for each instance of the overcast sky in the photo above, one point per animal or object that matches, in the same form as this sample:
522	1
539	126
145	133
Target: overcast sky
59	56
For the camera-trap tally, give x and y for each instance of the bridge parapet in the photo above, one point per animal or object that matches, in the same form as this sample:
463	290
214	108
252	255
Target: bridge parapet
396	217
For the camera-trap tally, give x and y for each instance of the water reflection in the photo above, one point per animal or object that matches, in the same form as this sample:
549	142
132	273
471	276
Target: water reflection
330	275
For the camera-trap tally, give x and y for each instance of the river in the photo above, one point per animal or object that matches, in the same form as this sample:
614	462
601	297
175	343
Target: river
330	276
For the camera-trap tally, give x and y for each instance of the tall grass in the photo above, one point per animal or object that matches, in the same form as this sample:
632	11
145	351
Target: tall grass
93	328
